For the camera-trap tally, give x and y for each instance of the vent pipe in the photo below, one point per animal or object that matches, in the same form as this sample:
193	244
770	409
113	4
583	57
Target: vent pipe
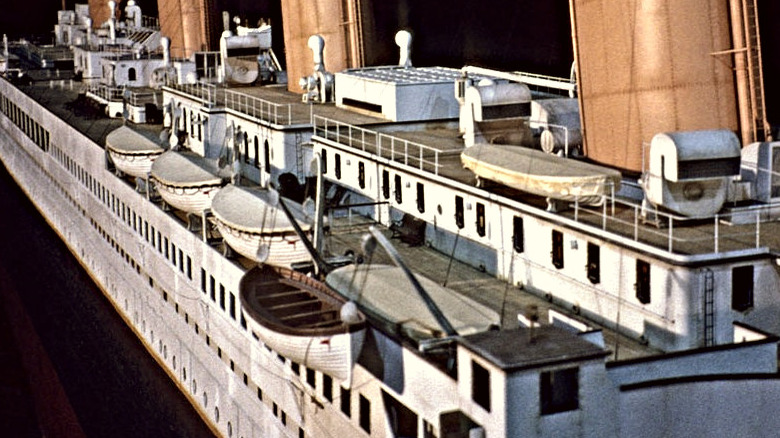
112	21
316	43
404	41
133	12
165	42
225	21
88	22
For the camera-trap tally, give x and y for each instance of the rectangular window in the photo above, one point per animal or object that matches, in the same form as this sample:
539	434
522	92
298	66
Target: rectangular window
642	281
362	175
327	387
481	219
742	288
460	220
594	263
166	247
181	261
365	414
222	296
420	198
559	391
203	280
324	161
267	157
386	184
212	288
518	242
398	189
189	267
557	249
480	385
232	305
337	167
346	401
311	377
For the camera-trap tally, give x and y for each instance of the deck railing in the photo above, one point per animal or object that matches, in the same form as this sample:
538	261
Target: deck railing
207	93
735	230
280	114
386	146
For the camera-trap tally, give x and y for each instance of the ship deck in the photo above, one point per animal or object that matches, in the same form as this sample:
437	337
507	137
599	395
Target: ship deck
434	148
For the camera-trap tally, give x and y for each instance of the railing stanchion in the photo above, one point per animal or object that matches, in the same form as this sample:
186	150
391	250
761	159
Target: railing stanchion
717	230
636	223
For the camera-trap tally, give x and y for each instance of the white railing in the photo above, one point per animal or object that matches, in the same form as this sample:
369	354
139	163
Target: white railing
280	114
207	93
386	146
739	229
106	92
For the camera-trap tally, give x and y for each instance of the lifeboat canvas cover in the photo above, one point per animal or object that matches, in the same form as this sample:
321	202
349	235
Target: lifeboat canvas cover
539	173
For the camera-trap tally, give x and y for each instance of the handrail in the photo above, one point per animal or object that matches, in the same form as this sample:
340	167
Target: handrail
409	153
280	114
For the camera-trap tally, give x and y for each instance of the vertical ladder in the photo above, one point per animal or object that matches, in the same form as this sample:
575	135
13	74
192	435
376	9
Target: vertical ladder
709	308
300	170
755	69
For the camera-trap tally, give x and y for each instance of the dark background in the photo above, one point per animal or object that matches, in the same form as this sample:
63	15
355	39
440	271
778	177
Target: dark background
524	35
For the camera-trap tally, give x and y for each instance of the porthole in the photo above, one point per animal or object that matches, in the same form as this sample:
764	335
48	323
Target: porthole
194	386
184	373
216	414
205	399
230	429
174	362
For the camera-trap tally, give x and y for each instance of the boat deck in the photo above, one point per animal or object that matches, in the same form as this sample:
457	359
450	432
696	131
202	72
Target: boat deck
508	300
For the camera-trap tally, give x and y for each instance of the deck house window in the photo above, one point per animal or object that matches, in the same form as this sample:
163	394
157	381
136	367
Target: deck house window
232	305
557	249
346	401
459	213
594	263
257	152
246	148
642	281
518	240
324	161
267	156
742	288
480	385
480	219
212	288
398	189
131	74
386	184
559	391
362	175
365	414
311	377
337	166
327	387
420	198
222	296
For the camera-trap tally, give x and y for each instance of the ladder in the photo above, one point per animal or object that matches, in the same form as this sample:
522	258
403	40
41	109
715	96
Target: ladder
760	126
709	308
